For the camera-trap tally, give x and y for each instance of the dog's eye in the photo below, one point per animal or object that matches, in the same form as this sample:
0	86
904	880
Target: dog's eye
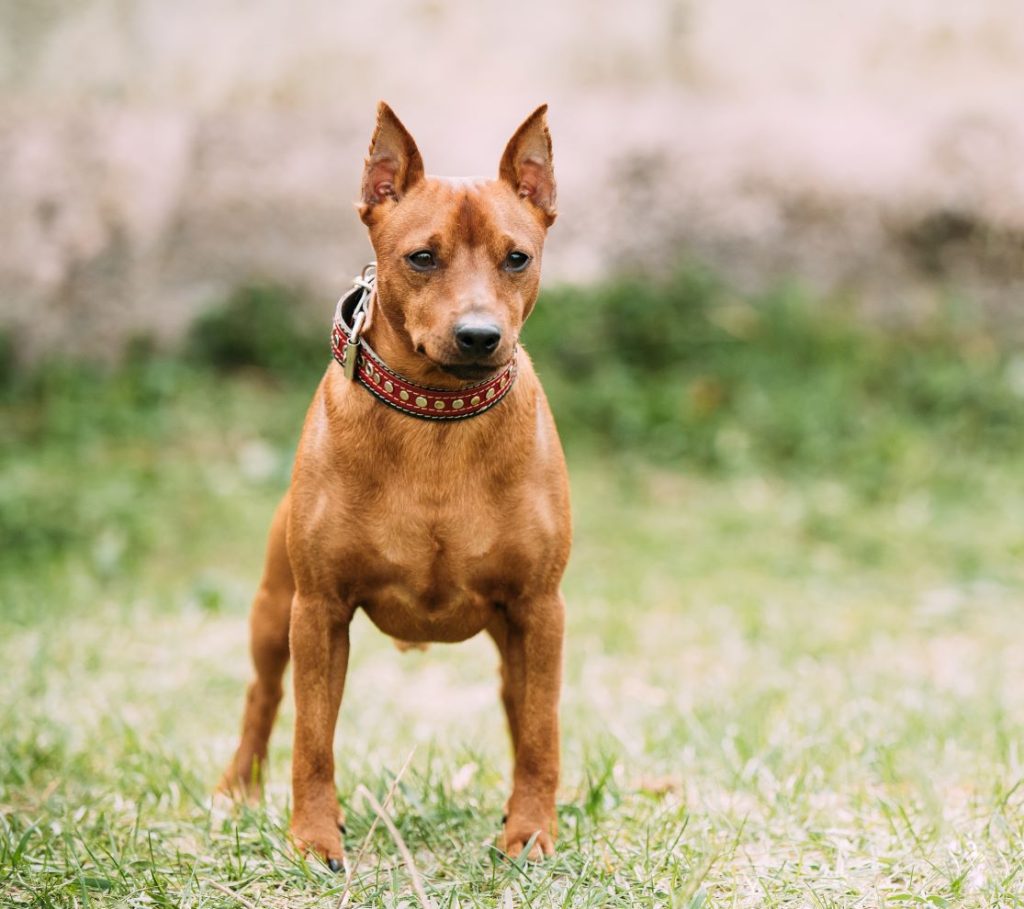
421	260
516	261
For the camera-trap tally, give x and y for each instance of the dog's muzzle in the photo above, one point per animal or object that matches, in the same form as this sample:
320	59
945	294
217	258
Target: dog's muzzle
362	365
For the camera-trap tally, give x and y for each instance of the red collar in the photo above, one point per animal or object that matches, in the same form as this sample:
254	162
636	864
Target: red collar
362	365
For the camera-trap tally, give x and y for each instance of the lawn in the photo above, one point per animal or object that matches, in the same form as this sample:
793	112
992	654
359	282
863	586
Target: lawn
787	684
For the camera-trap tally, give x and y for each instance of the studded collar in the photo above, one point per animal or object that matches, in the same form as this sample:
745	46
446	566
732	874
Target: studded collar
362	365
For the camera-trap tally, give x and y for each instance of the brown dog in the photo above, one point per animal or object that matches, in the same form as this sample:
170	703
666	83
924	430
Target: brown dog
437	528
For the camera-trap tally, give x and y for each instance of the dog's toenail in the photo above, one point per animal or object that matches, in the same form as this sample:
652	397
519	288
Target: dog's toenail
343	829
504	818
334	865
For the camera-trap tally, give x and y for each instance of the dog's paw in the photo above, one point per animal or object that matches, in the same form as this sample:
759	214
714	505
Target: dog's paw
517	835
322	842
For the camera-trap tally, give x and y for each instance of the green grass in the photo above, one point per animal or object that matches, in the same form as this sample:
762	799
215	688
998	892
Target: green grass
794	672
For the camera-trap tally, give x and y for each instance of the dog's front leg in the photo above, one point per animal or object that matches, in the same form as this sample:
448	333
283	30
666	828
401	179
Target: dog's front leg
319	645
532	654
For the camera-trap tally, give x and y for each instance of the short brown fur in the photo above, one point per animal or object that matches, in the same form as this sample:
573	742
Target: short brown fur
437	531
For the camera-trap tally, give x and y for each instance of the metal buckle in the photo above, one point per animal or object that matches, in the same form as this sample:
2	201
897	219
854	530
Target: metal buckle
350	356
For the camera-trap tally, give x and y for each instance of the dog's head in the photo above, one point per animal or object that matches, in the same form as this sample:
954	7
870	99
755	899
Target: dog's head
458	261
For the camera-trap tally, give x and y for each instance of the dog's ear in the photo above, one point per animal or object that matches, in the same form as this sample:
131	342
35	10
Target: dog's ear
394	165
527	166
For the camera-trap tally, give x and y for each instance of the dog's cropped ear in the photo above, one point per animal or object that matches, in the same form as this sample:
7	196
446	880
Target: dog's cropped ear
394	165
527	166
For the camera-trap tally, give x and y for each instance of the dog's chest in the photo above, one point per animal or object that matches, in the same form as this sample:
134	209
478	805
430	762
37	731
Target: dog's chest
430	573
435	564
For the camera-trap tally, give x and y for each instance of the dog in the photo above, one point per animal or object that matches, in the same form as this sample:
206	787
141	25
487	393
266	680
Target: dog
430	489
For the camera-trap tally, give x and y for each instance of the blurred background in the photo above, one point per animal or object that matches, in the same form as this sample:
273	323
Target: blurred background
780	331
155	156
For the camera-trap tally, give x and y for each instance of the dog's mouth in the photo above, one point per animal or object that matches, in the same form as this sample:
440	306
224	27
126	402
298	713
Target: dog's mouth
469	372
476	371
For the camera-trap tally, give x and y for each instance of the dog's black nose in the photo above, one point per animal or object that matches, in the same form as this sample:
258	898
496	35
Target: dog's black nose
477	340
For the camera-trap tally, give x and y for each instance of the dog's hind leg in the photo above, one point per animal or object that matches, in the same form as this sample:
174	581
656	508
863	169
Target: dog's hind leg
268	642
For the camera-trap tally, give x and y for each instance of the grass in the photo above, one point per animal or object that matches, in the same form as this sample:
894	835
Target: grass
794	672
